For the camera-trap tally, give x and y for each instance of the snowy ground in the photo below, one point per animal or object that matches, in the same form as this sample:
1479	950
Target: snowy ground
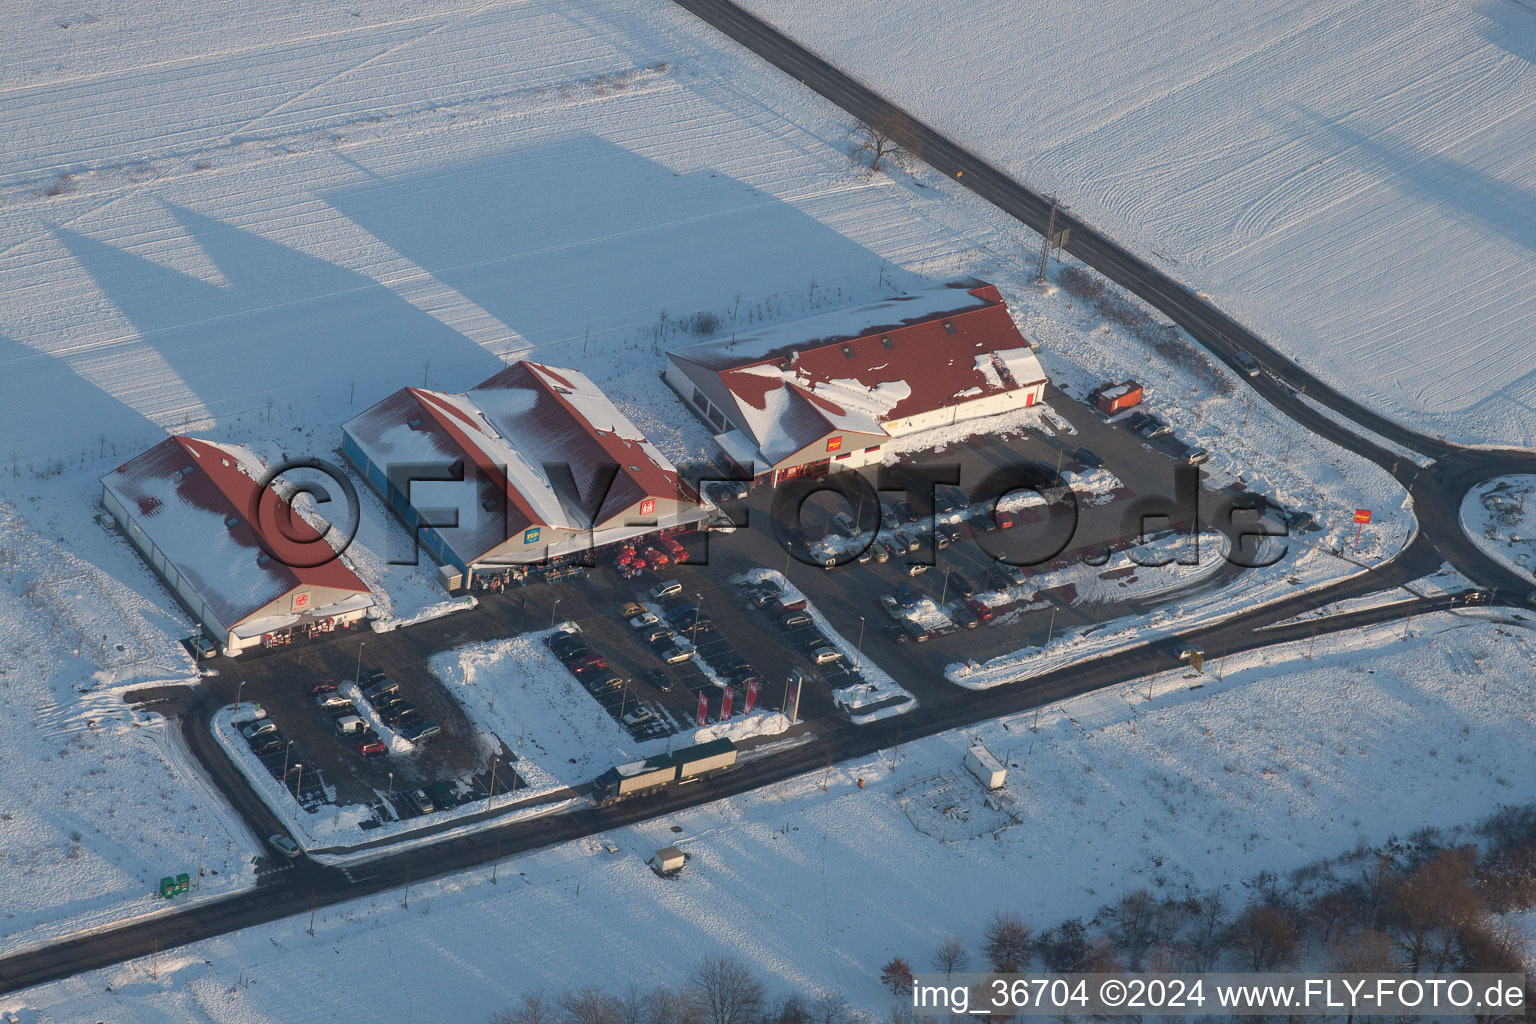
818	882
1500	517
1351	179
251	221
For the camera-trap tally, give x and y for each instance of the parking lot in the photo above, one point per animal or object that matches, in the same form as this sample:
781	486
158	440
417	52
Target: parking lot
712	632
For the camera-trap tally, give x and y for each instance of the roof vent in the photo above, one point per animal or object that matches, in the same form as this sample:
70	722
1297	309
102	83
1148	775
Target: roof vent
794	356
263	558
187	470
949	325
887	342
232	521
634	469
848	351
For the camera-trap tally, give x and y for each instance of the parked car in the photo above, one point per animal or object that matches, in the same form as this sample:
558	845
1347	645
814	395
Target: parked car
1088	458
1246	363
588	661
325	701
959	584
940	538
906	542
823	655
323	687
381	688
890	607
1003	520
888	518
666	588
981	611
272	743
674	655
997	579
422	732
908	596
630	609
843	525
644	620
916	632
659	679
372	676
284	846
658	635
881	551
906	511
951	531
963	618
350	725
795	620
917	568
639	716
1196	456
371	747
251	732
1155	428
1136	422
981	522
605	682
896	634
418	799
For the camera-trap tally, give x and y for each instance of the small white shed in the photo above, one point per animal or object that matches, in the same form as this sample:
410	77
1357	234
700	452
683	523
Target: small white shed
668	861
989	771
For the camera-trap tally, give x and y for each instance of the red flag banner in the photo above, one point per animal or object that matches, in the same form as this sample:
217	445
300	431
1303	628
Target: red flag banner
703	710
751	697
726	700
1362	515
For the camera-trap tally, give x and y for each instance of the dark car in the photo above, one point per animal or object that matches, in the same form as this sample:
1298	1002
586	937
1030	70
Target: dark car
888	518
914	631
958	584
659	679
1138	421
997	579
907	513
896	634
982	523
1087	458
963	618
795	620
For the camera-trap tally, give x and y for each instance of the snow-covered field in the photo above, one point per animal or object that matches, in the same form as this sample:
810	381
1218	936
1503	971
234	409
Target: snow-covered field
1352	180
1500	517
818	882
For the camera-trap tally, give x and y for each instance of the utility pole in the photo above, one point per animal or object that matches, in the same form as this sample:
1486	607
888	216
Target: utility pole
202	843
496	862
1051	629
406	900
357	674
859	650
1045	246
943	590
493	783
313	899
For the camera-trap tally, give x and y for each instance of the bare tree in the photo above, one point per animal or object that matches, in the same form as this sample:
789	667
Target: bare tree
1008	945
531	1009
666	1006
832	1008
950	955
897	976
589	1005
1427	908
885	136
1064	949
1362	951
727	991
1130	924
1266	935
1209	932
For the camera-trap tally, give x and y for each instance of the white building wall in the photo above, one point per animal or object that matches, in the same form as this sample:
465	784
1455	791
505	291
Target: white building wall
986	405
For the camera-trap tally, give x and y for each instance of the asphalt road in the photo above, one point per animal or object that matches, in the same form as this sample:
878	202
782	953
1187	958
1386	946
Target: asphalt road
1437	492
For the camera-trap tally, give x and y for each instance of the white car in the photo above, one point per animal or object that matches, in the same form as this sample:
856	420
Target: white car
250	732
666	589
822	655
285	846
642	621
639	716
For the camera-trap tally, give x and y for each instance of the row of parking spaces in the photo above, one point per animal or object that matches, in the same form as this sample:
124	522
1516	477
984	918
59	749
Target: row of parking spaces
400	716
801	634
644	720
285	761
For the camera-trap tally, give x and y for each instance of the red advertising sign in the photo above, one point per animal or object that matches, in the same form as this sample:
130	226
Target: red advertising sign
1362	515
648	507
703	710
834	443
726	700
301	601
751	697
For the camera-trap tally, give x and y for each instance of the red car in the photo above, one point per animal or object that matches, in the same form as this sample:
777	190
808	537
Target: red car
371	748
323	687
976	608
588	662
1003	519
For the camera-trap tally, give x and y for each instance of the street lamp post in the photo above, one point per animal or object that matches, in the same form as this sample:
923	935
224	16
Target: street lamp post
287	751
859	652
944	590
238	691
298	785
698	611
391	794
357	674
552	614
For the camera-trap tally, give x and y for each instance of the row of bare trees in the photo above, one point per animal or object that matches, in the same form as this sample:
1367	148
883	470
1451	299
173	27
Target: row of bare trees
1425	904
720	990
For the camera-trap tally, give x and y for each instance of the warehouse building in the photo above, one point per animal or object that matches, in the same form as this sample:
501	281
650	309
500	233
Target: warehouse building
245	571
533	464
829	392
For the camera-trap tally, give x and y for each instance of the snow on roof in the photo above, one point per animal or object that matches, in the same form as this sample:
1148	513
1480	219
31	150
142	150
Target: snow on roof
859	368
543	446
196	501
